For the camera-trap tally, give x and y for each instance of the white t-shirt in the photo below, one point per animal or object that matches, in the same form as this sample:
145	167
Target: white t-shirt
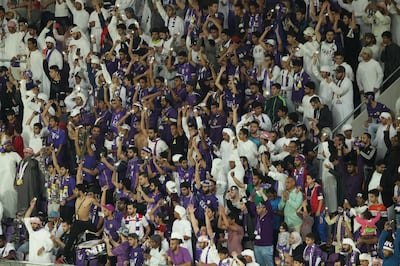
135	224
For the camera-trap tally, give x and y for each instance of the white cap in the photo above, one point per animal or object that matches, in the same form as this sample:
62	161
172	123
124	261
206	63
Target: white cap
125	126
203	238
309	31
285	58
346	127
95	60
176	235
75	112
76	28
43	97
176	158
138	104
50	39
367	50
365	256
180	210
81	95
385	115
171	186
271	42
325	69
80	1
30	93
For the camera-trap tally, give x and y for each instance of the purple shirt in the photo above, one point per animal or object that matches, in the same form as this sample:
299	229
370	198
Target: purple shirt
216	123
264	226
115	117
185	174
311	254
105	174
182	257
122	253
136	256
186	70
181	94
300	79
375	113
111	227
56	137
68	185
89	163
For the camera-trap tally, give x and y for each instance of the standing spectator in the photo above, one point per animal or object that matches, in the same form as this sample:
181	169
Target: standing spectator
315	200
40	243
263	243
136	257
342	101
353	174
369	73
290	203
183	227
29	182
374	109
390	56
377	15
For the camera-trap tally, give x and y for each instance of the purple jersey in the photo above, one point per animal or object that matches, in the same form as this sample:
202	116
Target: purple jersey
116	116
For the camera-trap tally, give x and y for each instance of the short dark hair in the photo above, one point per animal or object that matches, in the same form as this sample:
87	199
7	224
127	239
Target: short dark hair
374	192
39	125
81	187
287	128
315	99
387	34
283	108
310	236
277	85
33	41
55	68
245	131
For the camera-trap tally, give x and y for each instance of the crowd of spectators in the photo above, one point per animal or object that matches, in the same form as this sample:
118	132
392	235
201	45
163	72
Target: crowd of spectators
199	132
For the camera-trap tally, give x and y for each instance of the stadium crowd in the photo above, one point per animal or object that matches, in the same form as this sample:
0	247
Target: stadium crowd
199	132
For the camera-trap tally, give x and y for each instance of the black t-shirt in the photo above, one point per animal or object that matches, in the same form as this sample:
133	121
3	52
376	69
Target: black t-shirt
178	145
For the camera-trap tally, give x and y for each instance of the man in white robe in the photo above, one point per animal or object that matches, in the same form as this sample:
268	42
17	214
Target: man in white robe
40	244
8	196
183	227
342	102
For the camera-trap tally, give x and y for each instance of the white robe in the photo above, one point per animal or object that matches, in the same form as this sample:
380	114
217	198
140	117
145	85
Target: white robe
307	51
330	187
8	170
184	228
37	240
249	150
342	103
35	64
218	172
379	141
369	76
325	94
30	106
81	17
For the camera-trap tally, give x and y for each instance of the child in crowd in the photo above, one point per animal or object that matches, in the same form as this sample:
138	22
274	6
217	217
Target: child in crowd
312	253
283	239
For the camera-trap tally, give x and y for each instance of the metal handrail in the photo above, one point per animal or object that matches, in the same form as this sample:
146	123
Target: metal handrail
361	104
